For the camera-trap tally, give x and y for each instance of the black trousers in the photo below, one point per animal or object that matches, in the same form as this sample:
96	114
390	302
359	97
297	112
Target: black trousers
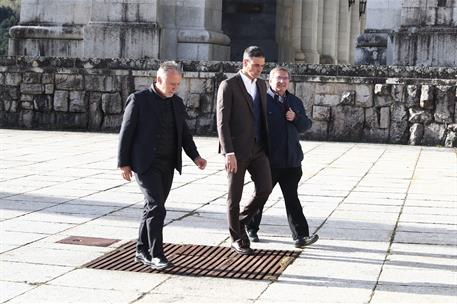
288	179
155	184
259	168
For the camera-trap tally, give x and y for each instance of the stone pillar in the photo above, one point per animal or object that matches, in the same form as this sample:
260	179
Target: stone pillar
344	33
283	32
297	30
47	28
310	18
122	29
329	53
320	26
355	30
193	29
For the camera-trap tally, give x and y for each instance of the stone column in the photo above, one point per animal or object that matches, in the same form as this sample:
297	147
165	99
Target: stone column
355	30
344	33
122	29
320	26
310	18
195	28
284	32
297	30
46	28
329	53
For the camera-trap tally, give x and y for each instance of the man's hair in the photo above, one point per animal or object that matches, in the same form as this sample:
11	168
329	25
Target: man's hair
253	51
167	66
278	69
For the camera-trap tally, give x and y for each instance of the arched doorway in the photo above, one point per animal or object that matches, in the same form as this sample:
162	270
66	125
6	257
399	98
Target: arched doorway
250	22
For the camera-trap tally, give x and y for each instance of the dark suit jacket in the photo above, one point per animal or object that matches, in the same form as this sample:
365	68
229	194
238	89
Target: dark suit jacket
236	119
140	128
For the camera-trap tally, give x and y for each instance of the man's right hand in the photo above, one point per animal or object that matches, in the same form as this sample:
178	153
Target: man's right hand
127	173
230	163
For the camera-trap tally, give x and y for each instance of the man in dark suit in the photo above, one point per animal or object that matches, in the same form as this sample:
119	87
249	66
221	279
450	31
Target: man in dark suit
243	136
286	118
152	136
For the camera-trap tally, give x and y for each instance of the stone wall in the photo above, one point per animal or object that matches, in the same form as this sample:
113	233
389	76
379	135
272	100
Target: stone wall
347	103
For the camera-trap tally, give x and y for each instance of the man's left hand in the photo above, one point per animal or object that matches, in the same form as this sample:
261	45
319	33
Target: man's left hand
200	162
290	115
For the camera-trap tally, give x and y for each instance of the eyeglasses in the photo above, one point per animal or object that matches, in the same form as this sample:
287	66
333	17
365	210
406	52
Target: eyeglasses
281	78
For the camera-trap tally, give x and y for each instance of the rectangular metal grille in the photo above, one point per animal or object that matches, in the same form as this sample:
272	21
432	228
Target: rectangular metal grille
200	260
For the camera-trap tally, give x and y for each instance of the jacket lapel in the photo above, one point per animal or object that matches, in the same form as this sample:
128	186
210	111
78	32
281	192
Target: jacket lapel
246	95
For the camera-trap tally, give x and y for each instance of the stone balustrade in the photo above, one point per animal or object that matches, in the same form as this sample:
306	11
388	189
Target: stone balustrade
382	104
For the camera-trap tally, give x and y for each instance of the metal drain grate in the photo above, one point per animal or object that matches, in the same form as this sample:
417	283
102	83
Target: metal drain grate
88	241
199	260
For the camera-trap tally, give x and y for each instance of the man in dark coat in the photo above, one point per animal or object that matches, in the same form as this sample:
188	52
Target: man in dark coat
243	137
152	136
286	118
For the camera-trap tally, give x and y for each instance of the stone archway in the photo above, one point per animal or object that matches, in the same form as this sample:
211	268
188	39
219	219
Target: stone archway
250	22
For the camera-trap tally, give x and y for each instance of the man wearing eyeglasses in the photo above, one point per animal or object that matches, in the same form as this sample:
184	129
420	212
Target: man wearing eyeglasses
286	119
243	139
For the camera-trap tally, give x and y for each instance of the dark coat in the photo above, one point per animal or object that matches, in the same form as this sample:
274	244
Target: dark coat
285	150
236	118
141	127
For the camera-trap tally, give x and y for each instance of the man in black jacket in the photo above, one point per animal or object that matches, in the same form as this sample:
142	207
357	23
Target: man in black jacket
152	136
286	118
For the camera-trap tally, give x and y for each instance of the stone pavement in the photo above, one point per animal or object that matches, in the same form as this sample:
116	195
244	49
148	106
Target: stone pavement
386	215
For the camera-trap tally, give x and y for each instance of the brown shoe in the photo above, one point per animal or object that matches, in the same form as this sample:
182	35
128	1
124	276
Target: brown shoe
239	248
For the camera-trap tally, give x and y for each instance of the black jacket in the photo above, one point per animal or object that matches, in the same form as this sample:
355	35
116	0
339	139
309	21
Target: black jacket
140	130
285	150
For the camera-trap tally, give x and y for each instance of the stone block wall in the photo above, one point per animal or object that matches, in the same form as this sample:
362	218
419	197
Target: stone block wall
402	105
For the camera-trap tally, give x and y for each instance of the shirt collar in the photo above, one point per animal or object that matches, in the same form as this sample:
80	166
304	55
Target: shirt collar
247	80
273	93
154	89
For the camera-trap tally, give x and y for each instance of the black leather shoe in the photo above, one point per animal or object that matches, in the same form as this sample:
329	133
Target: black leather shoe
241	249
160	263
306	241
143	257
253	236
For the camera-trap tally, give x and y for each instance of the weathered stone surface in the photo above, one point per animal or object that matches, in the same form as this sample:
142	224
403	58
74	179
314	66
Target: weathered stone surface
27	119
61	101
13	79
348	98
419	116
95	111
205	124
25	97
77	102
445	104
31	77
206	104
31	88
112	122
27	105
42	103
371	118
111	103
375	135
318	131
321	113
9	92
141	83
398	124
69	82
412	95
10	105
451	139
416	133
49	89
384	118
363	96
74	121
47	78
347	123
102	83
434	134
382	89
426	99
44	120
194	101
452	127
305	91
382	101
327	100
398	92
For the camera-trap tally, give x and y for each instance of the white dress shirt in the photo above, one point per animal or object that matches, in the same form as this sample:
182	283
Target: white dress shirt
251	85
